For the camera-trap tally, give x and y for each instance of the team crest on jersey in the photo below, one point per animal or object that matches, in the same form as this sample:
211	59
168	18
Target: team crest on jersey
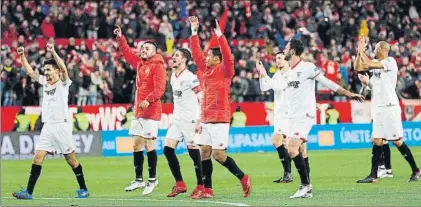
294	84
298	74
147	70
51	92
377	74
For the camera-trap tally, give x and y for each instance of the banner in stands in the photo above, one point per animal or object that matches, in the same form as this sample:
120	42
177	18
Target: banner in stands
259	139
109	117
21	145
412	109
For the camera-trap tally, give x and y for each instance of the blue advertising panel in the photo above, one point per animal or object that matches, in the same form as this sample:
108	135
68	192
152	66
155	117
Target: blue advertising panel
259	139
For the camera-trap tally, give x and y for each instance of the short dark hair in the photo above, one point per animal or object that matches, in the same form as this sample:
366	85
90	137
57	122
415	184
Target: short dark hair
150	42
297	46
51	62
186	54
280	52
217	52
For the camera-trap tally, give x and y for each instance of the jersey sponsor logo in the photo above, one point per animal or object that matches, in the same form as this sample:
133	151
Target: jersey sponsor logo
294	84
50	92
178	93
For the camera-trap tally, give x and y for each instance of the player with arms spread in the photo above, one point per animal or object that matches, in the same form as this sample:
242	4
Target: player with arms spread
150	86
185	122
386	111
215	72
56	134
279	85
302	109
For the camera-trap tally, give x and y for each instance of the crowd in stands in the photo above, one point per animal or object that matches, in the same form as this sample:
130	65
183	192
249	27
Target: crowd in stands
100	75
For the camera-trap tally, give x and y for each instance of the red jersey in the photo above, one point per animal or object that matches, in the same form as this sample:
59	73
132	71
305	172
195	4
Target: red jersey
150	81
215	82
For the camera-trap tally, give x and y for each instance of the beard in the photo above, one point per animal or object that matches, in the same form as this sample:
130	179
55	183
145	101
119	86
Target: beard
288	57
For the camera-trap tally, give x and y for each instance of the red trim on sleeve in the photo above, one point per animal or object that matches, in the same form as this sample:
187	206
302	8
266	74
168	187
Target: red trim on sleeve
197	89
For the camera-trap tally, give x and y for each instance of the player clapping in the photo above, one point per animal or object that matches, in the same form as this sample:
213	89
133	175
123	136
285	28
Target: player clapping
302	109
386	111
279	85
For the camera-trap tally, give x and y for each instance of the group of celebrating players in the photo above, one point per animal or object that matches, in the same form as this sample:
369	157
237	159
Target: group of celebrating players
202	113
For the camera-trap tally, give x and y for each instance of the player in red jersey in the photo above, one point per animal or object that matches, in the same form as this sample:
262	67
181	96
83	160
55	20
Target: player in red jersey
215	71
150	86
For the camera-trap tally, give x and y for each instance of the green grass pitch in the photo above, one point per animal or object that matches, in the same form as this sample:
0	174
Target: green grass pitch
333	175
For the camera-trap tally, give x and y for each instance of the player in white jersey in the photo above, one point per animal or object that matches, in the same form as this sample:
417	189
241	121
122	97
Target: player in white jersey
186	94
387	123
56	134
385	168
302	109
278	83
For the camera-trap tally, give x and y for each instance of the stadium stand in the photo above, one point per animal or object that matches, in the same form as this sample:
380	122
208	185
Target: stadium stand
82	32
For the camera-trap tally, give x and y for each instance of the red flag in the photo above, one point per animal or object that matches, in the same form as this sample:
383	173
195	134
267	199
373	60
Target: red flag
213	41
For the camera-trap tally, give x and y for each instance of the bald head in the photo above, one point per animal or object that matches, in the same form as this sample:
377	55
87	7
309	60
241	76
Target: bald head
384	45
382	50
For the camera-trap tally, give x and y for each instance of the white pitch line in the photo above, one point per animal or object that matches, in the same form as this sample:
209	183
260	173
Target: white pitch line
139	199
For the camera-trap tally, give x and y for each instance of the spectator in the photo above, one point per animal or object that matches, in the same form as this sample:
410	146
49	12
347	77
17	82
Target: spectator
238	118
414	91
80	121
47	28
327	29
22	122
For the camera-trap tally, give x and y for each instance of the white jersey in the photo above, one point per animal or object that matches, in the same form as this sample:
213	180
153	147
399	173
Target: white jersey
384	84
279	85
186	103
54	106
301	90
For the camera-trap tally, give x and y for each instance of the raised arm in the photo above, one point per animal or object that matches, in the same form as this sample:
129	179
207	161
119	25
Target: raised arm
368	64
26	66
227	58
59	61
197	53
358	63
363	63
125	49
277	82
266	83
362	45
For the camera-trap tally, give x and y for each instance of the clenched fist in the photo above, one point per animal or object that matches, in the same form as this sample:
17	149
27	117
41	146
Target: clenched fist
20	51
50	47
117	31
